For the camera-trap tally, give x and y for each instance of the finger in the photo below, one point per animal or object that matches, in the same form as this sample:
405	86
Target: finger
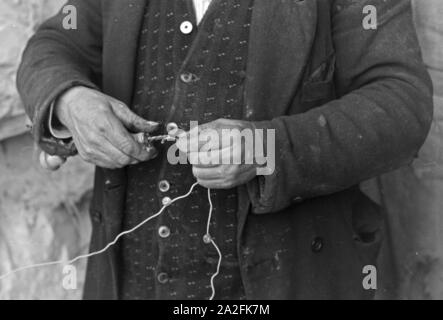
204	136
97	150
95	157
212	158
117	157
199	141
228	182
131	121
104	161
215	184
121	139
206	159
215	173
223	172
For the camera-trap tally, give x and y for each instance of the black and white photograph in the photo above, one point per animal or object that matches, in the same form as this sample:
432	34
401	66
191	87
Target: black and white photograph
236	151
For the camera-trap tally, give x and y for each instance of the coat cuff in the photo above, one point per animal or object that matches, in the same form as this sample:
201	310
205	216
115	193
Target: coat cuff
41	130
263	190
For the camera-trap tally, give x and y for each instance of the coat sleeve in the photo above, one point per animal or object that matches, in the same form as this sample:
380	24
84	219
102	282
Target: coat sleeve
377	125
57	59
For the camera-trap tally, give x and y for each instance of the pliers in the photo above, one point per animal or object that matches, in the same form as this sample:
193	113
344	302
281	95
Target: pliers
165	133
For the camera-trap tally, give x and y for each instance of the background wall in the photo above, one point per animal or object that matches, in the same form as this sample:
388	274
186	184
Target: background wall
413	196
43	216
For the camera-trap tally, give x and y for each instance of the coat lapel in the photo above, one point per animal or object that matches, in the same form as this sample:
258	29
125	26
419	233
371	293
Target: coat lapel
282	33
123	27
122	22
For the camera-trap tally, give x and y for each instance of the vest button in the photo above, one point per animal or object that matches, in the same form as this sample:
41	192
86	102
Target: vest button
187	77
172	129
164	232
163	278
298	200
166	201
317	245
186	27
207	239
96	216
164	186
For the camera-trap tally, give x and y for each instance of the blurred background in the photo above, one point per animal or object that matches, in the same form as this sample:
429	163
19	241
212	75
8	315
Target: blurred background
44	216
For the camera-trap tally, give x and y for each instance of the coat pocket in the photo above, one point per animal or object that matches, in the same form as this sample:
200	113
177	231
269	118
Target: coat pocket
319	87
366	220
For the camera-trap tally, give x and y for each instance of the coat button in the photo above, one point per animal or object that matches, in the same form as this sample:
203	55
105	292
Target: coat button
166	201
164	232
163	278
96	216
172	129
207	239
317	245
187	77
164	186
186	27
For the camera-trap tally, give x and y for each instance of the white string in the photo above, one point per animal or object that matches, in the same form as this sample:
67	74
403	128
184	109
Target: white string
63	262
211	240
208	237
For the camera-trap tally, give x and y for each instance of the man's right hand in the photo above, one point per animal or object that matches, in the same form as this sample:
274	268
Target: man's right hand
101	127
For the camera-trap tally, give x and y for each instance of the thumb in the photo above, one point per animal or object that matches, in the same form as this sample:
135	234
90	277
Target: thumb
207	135
131	121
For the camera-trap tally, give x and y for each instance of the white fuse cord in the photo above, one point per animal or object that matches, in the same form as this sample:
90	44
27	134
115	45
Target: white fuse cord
208	239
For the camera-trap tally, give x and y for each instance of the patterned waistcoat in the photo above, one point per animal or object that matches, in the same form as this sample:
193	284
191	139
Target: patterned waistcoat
185	73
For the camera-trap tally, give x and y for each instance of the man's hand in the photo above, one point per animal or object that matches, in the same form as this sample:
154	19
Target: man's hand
101	127
220	159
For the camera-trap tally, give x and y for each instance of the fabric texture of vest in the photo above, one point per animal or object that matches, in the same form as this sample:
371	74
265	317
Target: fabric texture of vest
181	78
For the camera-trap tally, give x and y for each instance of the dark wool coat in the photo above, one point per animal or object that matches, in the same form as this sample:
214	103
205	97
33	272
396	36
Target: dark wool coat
347	104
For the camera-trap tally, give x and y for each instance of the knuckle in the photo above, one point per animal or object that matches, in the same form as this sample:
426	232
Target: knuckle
120	105
123	161
85	157
127	147
88	152
101	127
102	107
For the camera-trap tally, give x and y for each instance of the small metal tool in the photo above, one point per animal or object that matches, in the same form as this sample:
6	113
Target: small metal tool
168	133
147	140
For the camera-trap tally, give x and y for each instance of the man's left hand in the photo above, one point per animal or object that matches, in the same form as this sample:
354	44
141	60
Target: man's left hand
212	152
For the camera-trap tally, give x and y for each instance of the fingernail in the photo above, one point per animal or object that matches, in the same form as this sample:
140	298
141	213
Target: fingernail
152	124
